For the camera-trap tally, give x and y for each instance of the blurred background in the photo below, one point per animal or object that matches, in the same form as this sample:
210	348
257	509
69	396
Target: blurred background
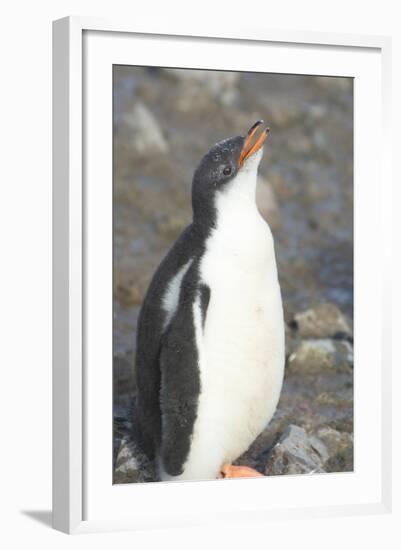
164	121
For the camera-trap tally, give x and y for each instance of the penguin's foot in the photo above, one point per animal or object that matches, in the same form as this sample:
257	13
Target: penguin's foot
230	471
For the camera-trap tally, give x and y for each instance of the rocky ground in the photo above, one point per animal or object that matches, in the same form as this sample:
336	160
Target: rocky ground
164	121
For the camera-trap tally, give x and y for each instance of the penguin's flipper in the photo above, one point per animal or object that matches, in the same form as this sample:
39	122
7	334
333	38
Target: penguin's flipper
150	334
180	376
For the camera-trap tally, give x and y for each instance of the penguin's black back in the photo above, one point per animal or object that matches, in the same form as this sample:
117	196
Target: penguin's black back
167	373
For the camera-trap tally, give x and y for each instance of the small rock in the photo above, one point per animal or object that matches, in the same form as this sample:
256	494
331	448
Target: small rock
334	440
343	424
317	111
146	137
267	203
318	355
296	452
343	461
340	446
132	466
323	321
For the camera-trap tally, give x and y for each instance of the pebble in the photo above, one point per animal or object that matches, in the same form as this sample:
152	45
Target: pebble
146	136
296	452
340	448
131	465
319	355
322	321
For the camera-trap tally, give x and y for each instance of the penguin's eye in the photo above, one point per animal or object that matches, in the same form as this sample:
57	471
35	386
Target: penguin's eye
227	170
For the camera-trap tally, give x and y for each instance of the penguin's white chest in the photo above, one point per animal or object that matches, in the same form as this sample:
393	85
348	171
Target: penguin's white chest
241	345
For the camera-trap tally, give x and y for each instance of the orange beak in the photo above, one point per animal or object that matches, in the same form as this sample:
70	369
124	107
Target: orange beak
251	146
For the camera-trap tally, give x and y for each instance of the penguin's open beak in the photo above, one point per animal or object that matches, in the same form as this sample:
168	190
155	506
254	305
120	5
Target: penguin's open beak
251	146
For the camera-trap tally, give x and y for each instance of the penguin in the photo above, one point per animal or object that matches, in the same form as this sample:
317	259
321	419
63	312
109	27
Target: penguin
210	339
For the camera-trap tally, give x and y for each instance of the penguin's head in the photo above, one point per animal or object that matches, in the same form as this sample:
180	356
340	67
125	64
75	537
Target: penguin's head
230	166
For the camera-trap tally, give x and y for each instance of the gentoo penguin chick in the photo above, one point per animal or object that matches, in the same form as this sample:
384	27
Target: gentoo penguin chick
210	340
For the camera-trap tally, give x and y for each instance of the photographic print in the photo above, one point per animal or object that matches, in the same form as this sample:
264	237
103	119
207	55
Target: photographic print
232	274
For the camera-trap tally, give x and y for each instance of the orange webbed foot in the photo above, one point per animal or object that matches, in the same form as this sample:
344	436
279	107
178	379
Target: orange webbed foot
230	471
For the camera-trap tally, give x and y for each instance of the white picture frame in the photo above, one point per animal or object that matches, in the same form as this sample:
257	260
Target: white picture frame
83	49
